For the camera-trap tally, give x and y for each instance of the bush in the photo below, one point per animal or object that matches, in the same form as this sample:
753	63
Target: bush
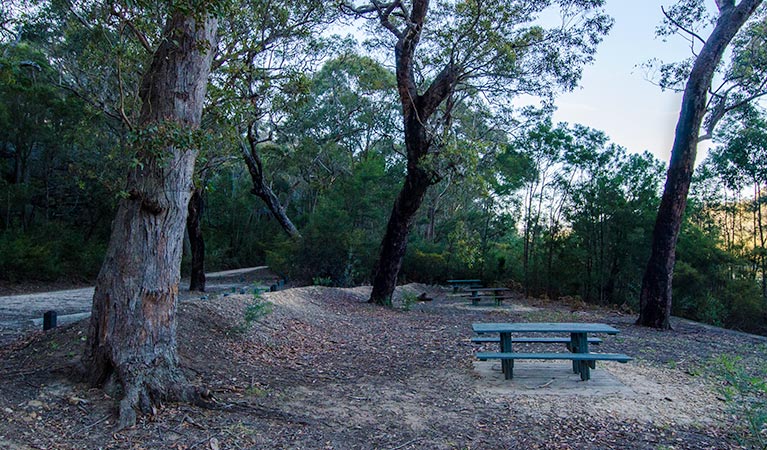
745	391
745	308
424	266
49	253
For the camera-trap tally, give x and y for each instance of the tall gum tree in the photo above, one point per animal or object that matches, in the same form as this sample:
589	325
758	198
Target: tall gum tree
494	47
655	295
264	50
132	335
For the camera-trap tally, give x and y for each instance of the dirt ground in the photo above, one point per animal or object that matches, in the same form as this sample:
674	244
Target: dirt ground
324	369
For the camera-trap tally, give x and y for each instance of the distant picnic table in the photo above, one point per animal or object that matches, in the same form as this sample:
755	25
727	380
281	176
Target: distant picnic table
578	345
457	284
497	294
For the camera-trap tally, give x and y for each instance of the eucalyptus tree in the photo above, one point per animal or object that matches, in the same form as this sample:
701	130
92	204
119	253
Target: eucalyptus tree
342	146
543	146
740	163
683	18
494	47
609	209
266	51
346	115
132	335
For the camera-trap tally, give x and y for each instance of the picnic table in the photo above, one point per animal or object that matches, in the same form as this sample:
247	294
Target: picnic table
456	284
497	294
582	359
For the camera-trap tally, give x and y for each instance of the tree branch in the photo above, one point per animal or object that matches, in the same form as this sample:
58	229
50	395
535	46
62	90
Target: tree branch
140	36
121	92
438	91
678	25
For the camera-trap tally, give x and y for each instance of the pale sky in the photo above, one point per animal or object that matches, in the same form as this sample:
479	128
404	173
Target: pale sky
615	95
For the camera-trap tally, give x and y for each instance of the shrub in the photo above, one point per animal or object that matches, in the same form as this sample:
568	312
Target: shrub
49	253
745	391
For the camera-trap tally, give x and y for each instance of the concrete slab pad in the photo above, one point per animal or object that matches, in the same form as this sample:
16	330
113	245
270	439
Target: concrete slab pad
547	378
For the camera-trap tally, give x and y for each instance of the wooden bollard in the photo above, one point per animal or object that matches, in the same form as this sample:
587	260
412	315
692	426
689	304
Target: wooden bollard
49	320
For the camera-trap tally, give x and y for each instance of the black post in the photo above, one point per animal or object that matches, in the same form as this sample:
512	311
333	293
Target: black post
49	320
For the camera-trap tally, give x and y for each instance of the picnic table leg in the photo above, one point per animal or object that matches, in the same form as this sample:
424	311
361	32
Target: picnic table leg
573	347
580	344
507	365
475	298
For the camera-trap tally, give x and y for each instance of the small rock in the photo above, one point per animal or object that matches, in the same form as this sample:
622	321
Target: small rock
214	444
8	410
76	401
35	404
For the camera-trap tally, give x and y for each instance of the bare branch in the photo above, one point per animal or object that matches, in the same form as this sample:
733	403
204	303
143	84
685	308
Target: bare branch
77	15
678	25
121	92
140	36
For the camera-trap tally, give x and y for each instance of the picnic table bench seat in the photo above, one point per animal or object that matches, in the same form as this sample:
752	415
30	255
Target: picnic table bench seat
485	296
587	359
475	299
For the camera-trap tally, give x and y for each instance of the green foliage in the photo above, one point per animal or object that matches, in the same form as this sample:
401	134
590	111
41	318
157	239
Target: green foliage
554	207
322	281
155	140
710	285
256	310
340	238
424	266
745	391
408	300
49	253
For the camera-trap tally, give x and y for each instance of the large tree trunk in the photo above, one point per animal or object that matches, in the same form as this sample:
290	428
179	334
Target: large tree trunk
196	241
416	111
655	296
394	243
132	336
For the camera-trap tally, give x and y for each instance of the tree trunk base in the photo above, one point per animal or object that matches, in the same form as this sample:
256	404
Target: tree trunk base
657	324
144	391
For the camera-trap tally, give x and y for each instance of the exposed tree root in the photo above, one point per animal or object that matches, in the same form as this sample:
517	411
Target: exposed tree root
144	394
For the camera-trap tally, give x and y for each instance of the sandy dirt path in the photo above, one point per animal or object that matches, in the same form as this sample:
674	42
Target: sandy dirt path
25	311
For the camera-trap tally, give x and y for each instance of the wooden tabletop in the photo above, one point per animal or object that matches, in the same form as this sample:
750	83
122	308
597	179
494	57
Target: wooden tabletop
544	327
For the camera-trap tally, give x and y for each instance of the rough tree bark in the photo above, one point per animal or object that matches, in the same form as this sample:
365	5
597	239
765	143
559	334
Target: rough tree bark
196	240
655	296
132	335
416	111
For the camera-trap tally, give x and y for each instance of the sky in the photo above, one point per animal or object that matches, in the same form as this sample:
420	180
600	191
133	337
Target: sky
615	95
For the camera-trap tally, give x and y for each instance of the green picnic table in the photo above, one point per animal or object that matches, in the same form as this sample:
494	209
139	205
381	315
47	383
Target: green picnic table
497	294
582	359
457	284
